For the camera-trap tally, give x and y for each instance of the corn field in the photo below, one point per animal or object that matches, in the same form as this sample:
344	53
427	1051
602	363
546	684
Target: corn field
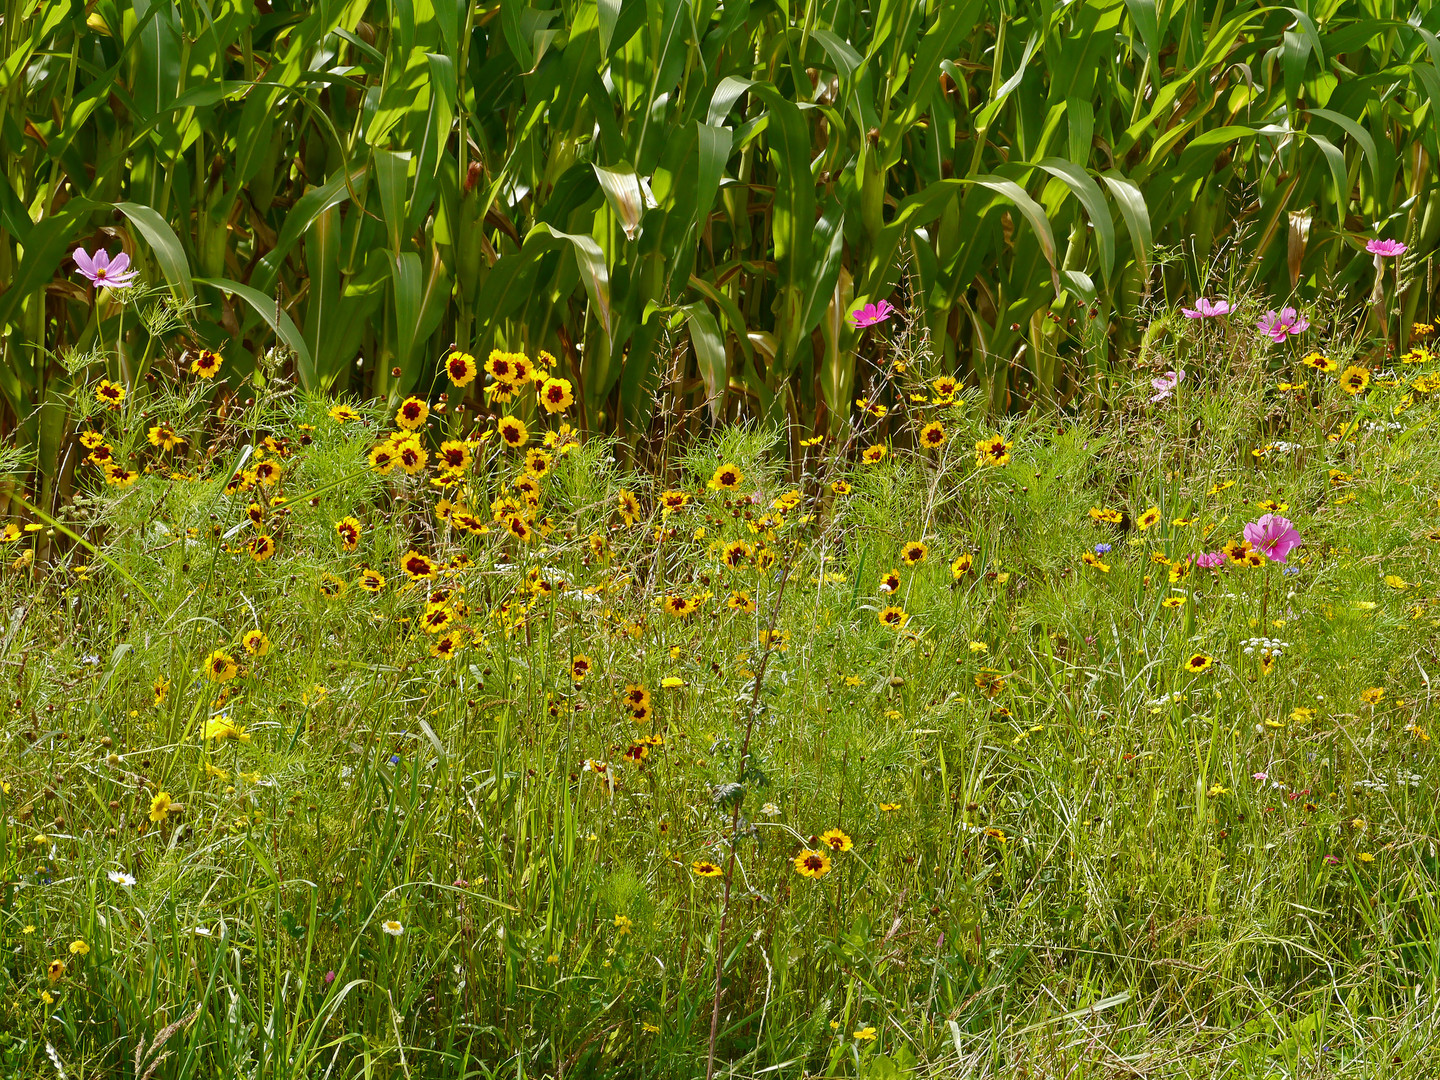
684	193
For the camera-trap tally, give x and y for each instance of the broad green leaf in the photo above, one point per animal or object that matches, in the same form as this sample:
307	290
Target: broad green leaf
275	316
1088	192
709	348
165	244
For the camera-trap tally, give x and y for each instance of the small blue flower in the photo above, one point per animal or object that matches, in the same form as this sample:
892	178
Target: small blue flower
394	759
1102	549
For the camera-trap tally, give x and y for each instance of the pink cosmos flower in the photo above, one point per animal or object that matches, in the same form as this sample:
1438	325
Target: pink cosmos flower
1206	309
1386	249
1273	536
1278	325
870	314
1210	560
102	272
1166	384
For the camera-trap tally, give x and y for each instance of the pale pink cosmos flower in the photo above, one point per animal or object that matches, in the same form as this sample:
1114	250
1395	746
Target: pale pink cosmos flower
870	314
102	271
1278	325
1166	384
1210	560
1273	536
1386	249
1206	309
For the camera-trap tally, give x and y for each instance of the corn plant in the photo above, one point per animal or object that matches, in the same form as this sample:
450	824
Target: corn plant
692	191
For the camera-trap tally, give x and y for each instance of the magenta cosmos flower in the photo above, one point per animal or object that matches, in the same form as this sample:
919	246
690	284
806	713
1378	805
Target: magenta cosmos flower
870	314
1210	560
1206	309
1386	249
1273	536
1278	325
102	272
1165	384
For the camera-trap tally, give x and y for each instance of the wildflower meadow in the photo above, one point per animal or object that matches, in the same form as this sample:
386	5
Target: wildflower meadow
686	539
427	741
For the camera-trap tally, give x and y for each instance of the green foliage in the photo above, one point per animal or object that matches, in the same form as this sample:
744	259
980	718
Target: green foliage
694	193
357	853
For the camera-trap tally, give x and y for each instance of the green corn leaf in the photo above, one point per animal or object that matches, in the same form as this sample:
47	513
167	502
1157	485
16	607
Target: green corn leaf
275	317
709	346
165	244
1088	192
1135	213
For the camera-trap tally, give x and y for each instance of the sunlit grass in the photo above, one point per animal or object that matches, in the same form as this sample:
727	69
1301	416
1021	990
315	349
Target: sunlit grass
1059	814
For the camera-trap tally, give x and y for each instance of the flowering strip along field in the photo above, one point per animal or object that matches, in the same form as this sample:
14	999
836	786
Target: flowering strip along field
699	187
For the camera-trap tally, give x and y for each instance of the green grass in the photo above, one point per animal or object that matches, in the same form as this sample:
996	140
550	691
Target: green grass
1076	876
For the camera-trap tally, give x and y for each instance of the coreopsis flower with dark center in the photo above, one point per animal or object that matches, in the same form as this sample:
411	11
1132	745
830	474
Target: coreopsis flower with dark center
417	567
372	581
736	554
432	622
672	502
411	414
893	617
933	436
812	864
343	414
836	840
461	368
556	395
513	432
468	522
262	547
348	530
206	364
220	666
537	463
890	581
255	642
411	456
962	565
726	478
164	437
989	682
874	454
629	507
267	472
580	667
454	455
109	393
914	552
681	607
446	645
1198	663
992	452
